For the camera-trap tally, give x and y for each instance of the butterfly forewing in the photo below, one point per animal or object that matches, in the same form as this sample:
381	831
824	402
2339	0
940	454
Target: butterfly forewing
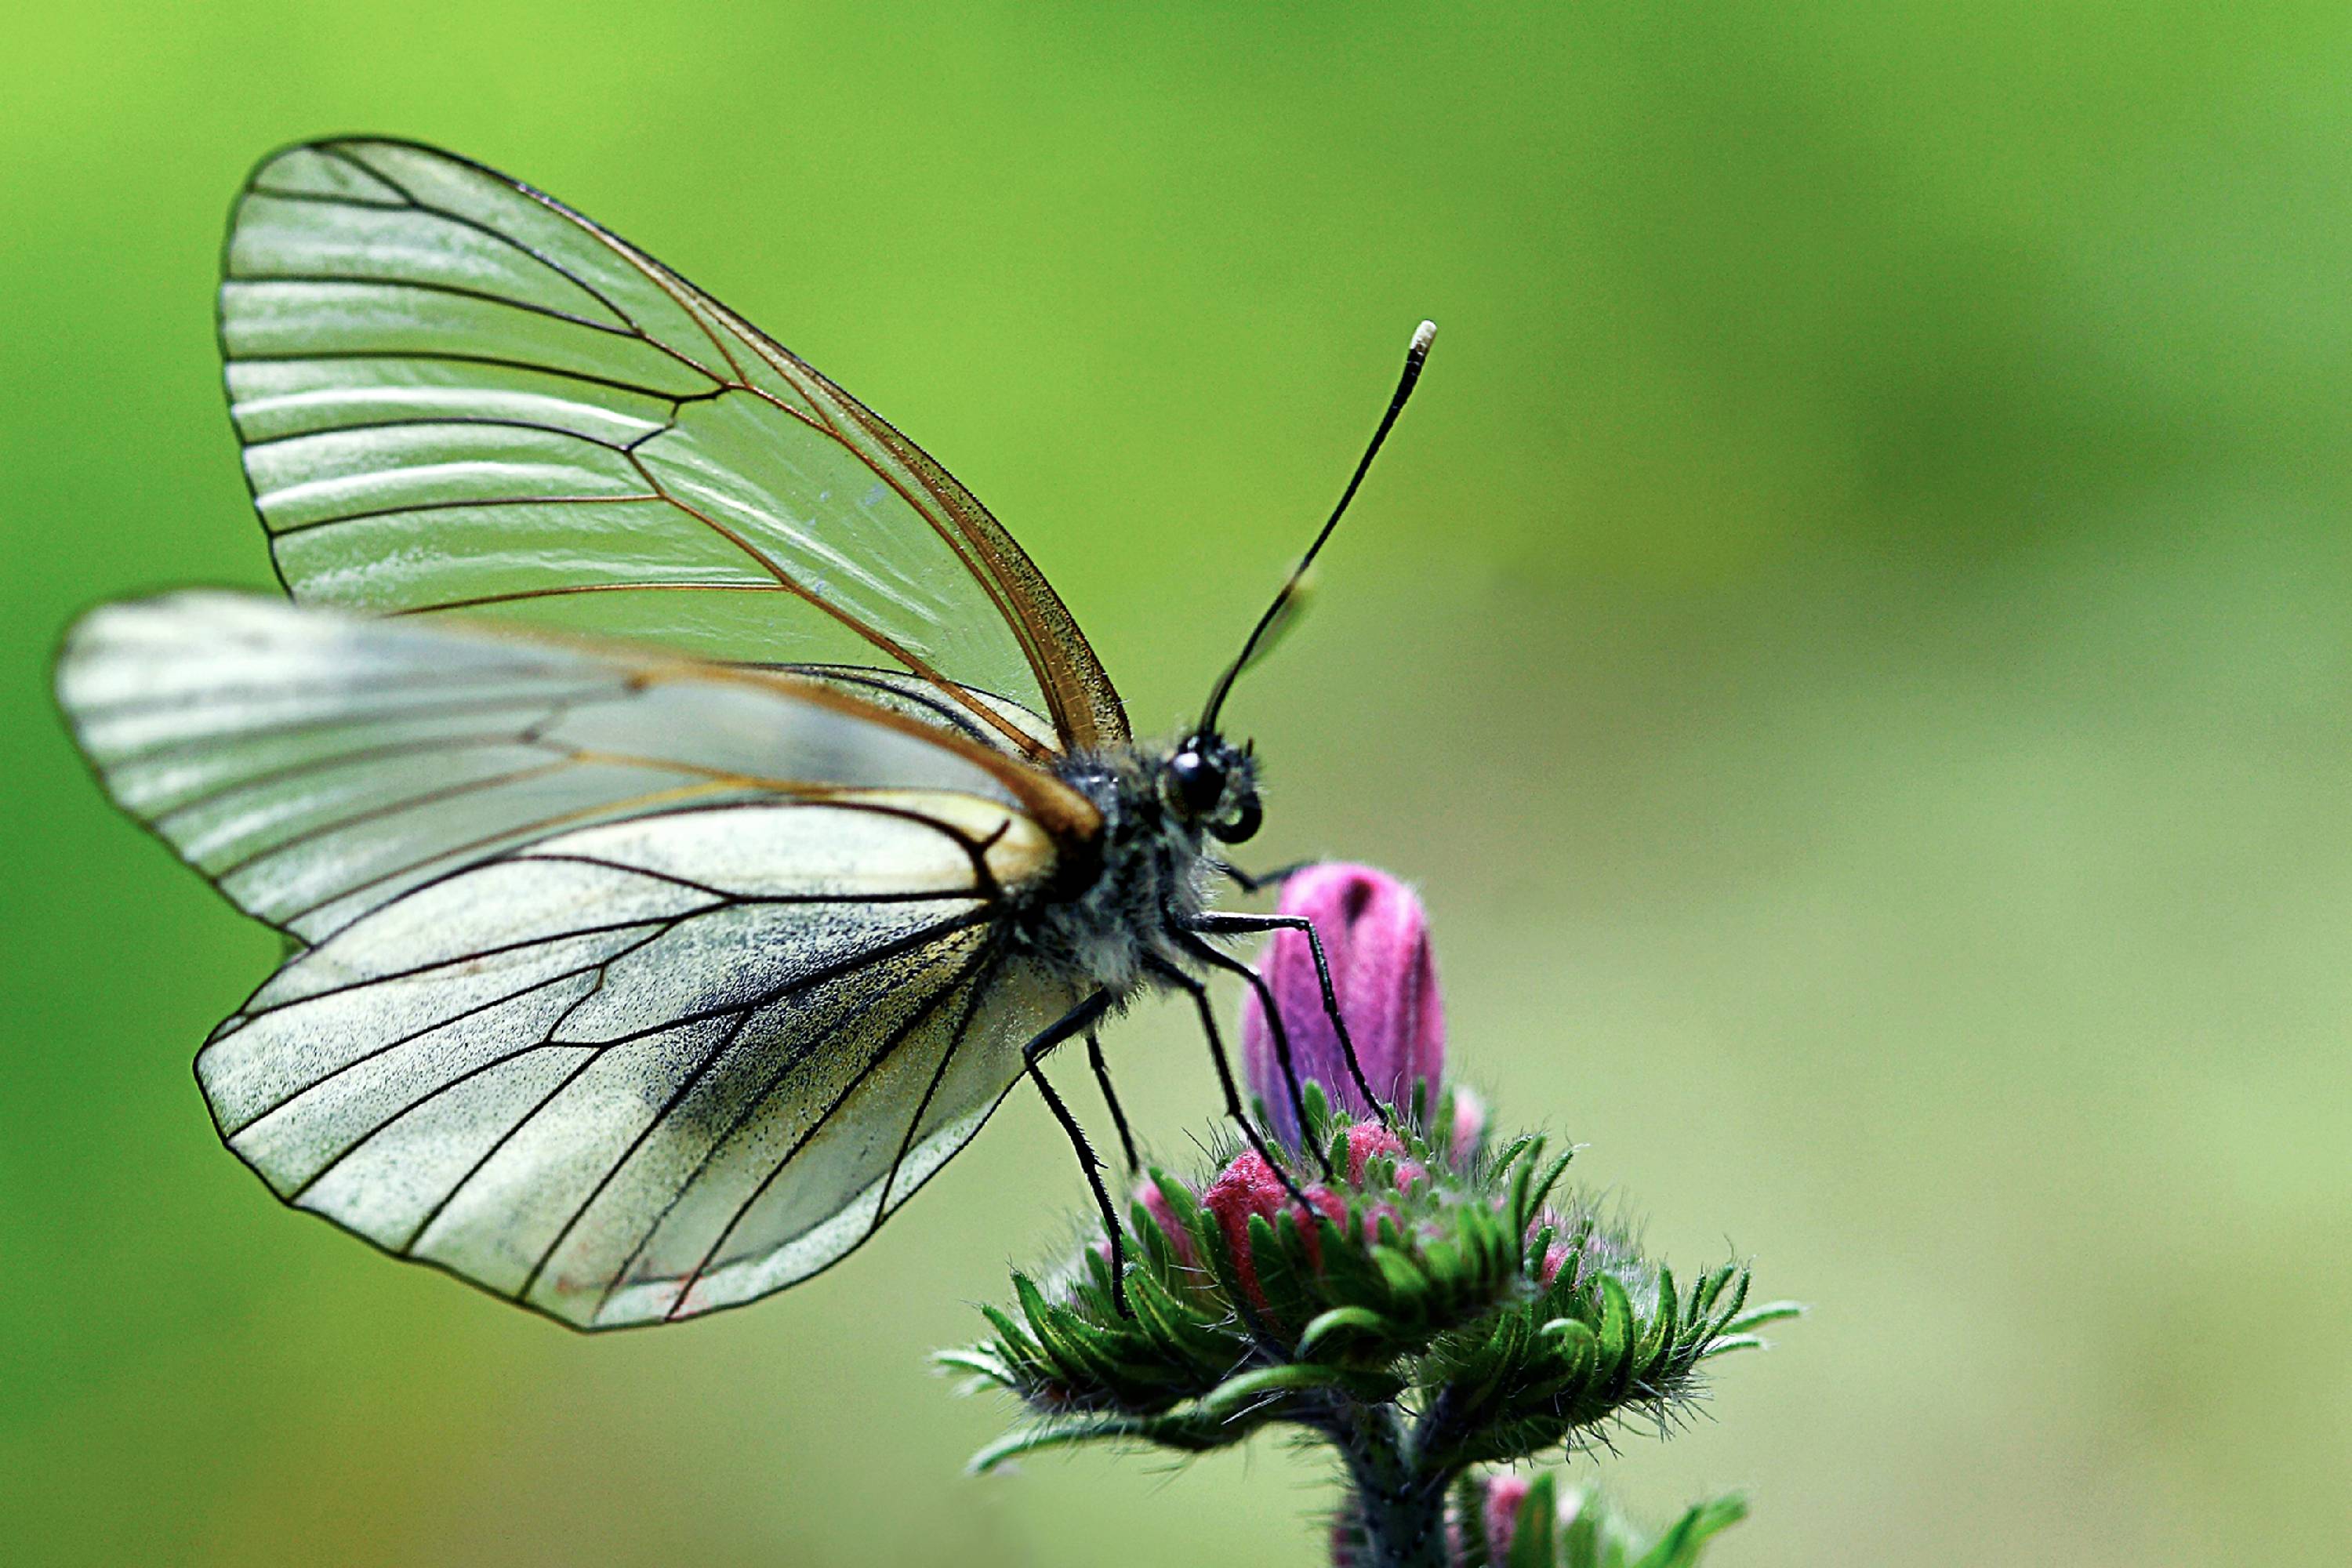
317	765
644	1069
456	392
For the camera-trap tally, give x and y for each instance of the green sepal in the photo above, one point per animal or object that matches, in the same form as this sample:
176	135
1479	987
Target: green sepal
1064	1434
1229	1397
1318	1107
1658	1341
1614	1333
1771	1312
1345	1325
1183	1208
1008	1334
1204	1349
1534	1533
1543	1185
1680	1546
982	1363
1335	1149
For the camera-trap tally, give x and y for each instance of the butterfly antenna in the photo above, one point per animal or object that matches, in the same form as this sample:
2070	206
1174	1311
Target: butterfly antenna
1415	357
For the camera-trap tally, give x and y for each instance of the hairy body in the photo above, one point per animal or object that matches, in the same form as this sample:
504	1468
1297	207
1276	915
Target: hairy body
1112	919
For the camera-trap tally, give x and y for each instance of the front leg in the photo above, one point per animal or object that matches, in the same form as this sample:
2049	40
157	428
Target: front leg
1250	925
1209	954
1171	976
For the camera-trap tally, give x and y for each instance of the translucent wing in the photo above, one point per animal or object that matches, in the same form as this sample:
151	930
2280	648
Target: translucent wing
316	765
642	1071
920	700
455	392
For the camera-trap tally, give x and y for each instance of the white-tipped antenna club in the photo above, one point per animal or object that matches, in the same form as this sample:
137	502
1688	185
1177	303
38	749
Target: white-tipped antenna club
1415	355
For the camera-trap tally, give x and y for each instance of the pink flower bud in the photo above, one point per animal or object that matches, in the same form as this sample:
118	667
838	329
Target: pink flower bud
1249	1186
1374	1215
1376	936
1556	1259
1505	1494
1367	1139
1469	1126
1155	1204
1557	1252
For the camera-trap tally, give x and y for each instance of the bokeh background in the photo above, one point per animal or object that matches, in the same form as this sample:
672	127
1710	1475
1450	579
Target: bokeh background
1855	642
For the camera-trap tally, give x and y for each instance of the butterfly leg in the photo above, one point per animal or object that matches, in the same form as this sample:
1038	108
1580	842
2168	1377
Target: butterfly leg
1201	1003
1111	1098
1084	1017
1247	925
1208	953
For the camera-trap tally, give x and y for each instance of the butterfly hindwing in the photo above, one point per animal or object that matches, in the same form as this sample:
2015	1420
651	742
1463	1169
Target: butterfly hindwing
644	1069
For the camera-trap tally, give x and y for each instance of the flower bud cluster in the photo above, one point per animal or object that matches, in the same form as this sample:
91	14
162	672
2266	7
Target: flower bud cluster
1515	1323
1386	1274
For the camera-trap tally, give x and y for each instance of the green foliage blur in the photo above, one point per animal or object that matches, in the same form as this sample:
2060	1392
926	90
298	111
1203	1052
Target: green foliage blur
1853	641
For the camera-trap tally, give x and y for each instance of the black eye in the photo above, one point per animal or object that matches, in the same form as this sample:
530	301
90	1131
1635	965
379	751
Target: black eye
1195	783
1244	823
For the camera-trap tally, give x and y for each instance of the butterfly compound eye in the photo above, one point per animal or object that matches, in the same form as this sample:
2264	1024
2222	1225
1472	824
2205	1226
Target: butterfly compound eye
1193	784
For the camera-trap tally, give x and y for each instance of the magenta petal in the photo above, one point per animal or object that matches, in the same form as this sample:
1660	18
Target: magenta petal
1376	936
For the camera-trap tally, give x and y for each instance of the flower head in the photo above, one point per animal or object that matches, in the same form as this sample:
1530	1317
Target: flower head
1401	1267
1375	935
1256	1294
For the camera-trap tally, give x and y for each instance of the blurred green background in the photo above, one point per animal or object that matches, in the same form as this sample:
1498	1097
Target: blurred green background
1854	641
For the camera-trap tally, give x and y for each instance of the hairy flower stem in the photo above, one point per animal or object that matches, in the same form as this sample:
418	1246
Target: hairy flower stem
1395	1515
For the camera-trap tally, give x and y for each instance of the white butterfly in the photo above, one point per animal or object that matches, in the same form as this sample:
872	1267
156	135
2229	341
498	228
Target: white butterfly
633	978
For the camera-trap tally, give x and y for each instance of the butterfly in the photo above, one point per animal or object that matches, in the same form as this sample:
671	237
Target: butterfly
691	813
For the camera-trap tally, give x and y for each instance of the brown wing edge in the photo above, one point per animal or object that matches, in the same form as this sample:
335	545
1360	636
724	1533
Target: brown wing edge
1087	710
